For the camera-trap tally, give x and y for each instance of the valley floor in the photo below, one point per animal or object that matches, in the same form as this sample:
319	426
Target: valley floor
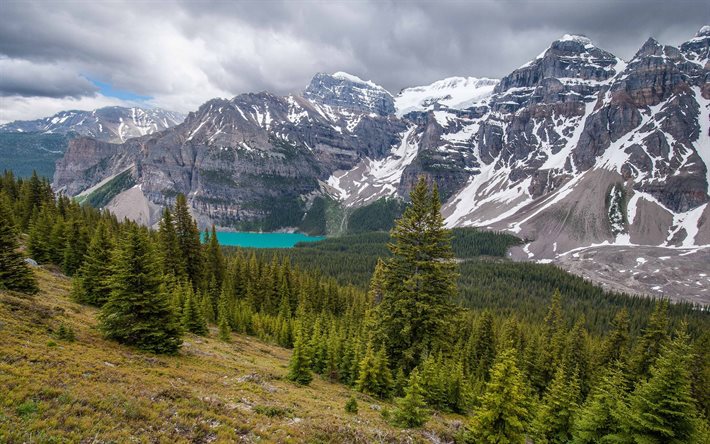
94	390
678	274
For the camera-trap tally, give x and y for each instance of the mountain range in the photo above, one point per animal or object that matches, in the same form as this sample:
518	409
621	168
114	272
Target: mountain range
591	158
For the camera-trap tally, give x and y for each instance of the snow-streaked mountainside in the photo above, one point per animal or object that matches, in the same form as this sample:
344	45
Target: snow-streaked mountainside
575	149
453	92
110	124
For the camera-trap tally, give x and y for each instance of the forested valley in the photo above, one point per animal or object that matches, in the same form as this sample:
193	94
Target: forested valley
431	321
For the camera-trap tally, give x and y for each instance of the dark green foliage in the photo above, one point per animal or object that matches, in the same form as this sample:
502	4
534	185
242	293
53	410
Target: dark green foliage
14	273
77	240
661	409
504	410
193	319
170	252
351	405
375	377
419	282
314	221
90	285
377	216
25	153
554	419
188	238
138	312
654	337
599	420
411	410
101	196
65	333
299	367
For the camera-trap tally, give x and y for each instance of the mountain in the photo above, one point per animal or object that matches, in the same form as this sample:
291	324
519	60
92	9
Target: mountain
574	150
113	124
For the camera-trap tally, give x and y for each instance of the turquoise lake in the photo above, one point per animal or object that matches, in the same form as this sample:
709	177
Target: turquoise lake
263	240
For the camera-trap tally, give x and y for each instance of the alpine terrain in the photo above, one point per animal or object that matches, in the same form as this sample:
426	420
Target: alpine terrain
577	151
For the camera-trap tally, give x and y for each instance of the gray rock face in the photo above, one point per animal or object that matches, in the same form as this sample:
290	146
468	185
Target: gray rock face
113	124
349	93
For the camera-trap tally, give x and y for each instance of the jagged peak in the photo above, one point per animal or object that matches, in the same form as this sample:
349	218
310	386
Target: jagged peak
650	47
704	31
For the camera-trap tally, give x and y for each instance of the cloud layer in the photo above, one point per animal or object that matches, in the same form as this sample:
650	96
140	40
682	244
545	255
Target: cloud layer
184	53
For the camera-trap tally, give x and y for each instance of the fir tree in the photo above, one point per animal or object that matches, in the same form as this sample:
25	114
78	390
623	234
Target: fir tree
193	319
614	347
14	273
504	409
654	337
373	377
90	285
662	410
75	247
411	410
419	281
138	311
299	369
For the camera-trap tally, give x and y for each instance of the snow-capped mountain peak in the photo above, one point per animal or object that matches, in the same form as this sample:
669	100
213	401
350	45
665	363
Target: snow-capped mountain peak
452	92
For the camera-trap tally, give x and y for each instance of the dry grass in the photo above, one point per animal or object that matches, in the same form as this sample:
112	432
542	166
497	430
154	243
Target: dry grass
94	390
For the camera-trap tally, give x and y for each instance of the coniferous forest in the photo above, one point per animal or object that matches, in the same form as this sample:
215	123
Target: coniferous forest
432	321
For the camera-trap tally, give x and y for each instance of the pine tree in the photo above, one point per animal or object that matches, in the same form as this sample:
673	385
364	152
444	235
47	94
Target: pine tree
482	347
299	369
419	281
368	376
214	260
39	243
138	311
90	285
662	410
14	273
193	319
554	419
411	410
504	409
598	421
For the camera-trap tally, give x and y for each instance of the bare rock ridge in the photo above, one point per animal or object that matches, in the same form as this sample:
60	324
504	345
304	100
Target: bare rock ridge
574	148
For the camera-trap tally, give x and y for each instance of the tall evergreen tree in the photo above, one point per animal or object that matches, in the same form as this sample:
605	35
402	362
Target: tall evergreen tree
76	240
554	419
654	337
599	421
188	237
662	410
411	410
138	311
614	347
14	273
170	252
504	410
193	319
419	281
90	285
299	369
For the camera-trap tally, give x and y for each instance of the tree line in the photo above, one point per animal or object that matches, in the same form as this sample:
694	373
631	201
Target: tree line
404	338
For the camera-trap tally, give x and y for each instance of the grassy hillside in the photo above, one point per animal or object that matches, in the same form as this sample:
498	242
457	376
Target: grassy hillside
94	390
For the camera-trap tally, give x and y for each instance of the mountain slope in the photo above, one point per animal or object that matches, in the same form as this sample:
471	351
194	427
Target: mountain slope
113	124
211	391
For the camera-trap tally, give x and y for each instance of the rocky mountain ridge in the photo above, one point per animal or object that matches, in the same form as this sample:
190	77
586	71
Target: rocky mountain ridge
113	124
575	148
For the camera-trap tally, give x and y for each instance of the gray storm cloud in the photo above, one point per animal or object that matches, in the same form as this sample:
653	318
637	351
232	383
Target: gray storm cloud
184	53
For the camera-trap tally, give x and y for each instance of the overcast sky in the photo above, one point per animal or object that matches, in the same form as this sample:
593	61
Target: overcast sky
57	55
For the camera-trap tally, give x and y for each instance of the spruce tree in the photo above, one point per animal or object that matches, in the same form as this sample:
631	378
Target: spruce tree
193	319
554	419
90	285
188	237
504	410
614	347
419	281
599	420
299	369
662	410
411	410
138	312
75	248
14	273
368	380
170	253
654	337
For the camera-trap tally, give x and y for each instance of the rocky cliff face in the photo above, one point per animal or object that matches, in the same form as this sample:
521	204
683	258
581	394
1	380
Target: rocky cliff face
113	124
576	147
